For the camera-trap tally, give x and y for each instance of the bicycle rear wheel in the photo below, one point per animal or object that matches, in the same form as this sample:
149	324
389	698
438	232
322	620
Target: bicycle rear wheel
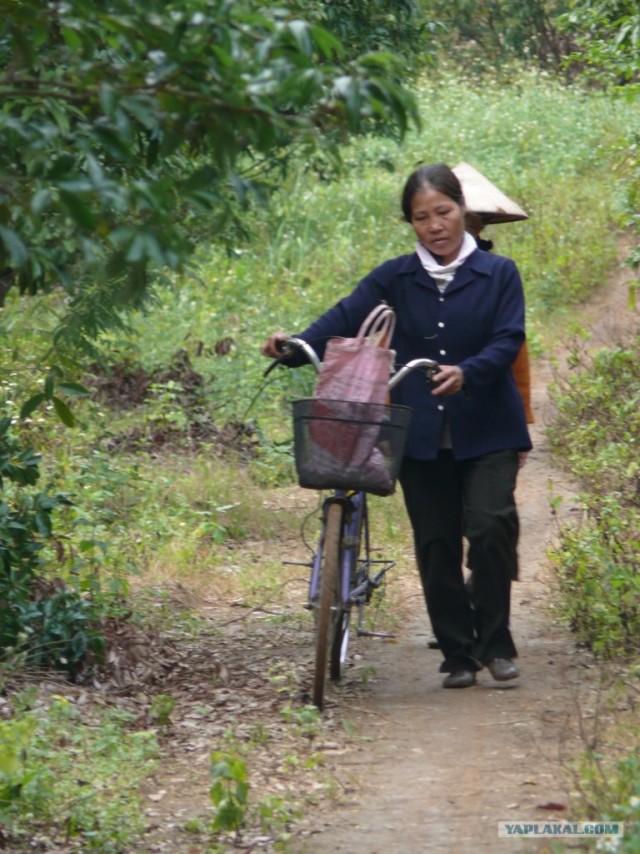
329	607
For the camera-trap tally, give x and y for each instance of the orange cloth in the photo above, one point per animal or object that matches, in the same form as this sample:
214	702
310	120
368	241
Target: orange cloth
522	376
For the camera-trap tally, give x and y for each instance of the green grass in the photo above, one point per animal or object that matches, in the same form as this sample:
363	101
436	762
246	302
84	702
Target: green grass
78	779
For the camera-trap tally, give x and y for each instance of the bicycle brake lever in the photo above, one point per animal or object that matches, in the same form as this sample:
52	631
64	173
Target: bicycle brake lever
286	350
274	364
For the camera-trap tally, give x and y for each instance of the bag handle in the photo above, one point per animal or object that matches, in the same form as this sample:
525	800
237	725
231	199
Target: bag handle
379	325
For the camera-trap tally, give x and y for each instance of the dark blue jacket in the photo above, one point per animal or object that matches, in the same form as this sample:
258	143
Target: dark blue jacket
478	324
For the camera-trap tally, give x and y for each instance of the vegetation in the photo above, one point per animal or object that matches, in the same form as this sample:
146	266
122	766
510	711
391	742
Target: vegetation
526	31
124	129
62	775
119	175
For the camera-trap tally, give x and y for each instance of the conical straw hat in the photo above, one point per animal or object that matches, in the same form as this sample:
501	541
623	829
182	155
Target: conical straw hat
484	198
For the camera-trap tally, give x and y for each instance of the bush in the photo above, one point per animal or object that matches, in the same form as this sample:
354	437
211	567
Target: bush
598	566
44	618
596	433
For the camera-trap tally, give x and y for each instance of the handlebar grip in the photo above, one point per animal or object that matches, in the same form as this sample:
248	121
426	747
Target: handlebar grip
285	348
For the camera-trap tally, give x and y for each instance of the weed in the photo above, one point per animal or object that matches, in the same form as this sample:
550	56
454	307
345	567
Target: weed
277	816
366	673
77	780
229	791
161	709
306	719
595	433
284	677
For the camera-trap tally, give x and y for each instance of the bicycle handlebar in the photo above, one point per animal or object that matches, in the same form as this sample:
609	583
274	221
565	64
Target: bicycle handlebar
289	346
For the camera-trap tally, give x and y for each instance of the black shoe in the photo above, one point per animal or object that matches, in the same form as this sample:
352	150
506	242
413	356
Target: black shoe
459	679
503	669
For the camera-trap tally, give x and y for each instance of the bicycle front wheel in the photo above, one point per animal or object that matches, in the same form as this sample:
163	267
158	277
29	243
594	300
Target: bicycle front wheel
329	608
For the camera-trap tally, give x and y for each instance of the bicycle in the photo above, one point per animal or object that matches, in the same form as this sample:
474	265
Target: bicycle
344	574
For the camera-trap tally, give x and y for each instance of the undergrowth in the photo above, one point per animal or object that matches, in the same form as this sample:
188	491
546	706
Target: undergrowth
596	435
65	778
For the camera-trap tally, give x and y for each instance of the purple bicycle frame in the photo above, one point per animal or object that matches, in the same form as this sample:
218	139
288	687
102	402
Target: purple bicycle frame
355	504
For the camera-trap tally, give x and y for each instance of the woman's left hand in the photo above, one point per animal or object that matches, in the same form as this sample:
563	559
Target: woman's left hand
448	380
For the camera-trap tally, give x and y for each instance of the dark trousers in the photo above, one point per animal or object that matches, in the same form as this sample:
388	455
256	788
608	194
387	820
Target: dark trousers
446	499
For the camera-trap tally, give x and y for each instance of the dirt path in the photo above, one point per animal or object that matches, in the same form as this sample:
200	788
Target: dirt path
439	769
443	767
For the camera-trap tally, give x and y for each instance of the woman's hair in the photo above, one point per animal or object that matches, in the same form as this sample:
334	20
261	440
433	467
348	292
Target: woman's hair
438	177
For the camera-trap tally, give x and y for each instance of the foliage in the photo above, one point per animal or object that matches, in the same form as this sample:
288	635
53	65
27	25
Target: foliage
124	128
161	708
48	396
483	36
374	25
607	36
599	577
77	780
608	784
44	618
229	791
596	433
596	429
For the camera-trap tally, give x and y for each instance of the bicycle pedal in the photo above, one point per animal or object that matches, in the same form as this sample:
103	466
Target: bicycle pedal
364	633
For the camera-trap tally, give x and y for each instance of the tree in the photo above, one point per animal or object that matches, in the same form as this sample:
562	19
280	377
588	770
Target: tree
123	126
485	35
607	35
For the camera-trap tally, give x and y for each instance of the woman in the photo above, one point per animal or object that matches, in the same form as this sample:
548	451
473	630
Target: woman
464	308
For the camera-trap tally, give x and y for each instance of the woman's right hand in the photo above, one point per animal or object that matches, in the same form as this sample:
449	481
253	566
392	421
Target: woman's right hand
272	347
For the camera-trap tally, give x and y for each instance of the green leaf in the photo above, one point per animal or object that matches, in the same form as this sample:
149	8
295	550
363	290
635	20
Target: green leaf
79	211
327	43
49	384
14	245
32	404
63	412
41	201
74	389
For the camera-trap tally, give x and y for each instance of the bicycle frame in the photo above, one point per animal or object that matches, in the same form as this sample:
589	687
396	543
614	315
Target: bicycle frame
356	580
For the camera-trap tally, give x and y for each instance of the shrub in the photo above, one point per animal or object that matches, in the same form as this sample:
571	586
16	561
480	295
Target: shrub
43	617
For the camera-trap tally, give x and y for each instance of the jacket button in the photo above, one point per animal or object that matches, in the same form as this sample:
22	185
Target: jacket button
441	325
443	352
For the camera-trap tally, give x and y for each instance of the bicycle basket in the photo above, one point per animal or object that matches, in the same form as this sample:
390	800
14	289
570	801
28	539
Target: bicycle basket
345	445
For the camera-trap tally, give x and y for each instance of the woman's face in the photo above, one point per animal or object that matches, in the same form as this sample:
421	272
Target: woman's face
438	222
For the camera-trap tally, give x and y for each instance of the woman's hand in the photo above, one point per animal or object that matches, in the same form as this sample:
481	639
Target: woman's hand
273	345
448	380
